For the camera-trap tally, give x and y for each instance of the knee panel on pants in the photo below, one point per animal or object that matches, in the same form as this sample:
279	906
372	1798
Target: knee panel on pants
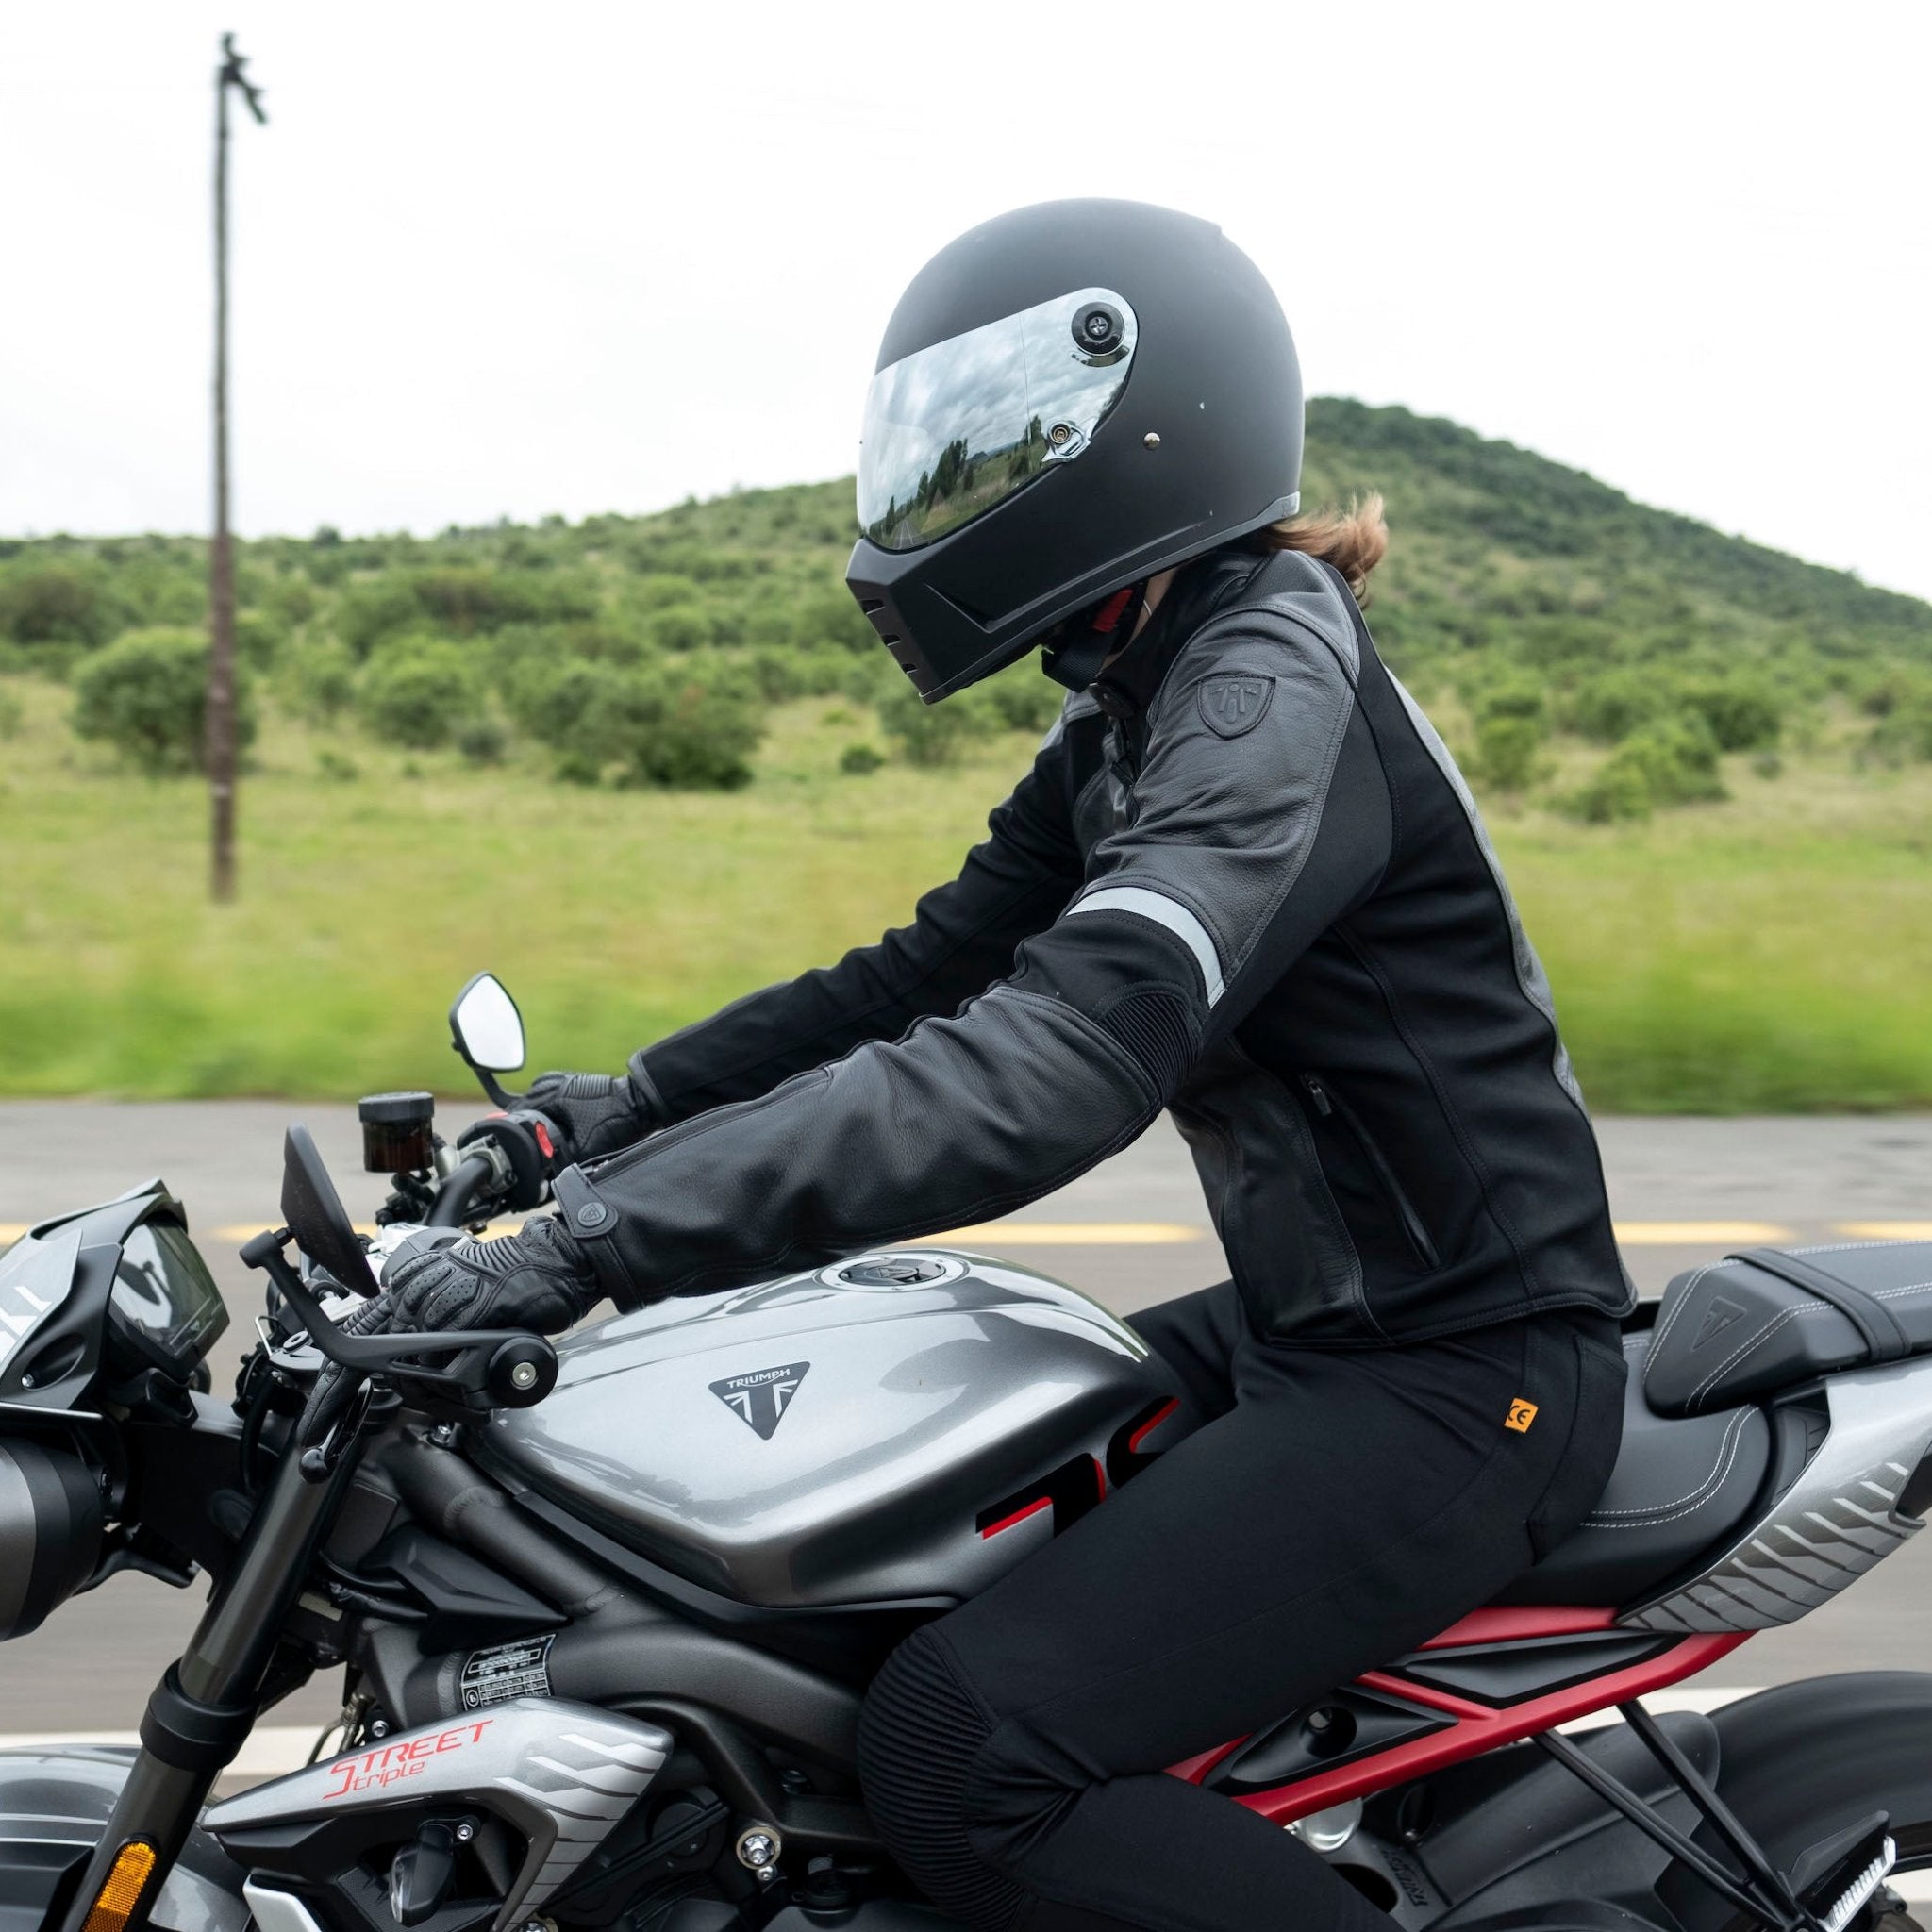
920	1737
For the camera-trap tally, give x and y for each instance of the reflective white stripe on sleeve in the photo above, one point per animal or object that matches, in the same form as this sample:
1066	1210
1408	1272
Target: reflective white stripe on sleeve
1163	912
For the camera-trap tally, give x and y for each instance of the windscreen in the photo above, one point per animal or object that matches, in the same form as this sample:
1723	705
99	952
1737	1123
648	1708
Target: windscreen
952	430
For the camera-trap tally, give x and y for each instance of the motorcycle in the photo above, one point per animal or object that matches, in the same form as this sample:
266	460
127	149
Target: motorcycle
605	1610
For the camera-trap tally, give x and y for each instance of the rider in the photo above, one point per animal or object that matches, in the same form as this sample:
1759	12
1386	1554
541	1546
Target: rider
1243	881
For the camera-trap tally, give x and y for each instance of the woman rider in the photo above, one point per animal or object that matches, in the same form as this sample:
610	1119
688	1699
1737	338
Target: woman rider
1243	882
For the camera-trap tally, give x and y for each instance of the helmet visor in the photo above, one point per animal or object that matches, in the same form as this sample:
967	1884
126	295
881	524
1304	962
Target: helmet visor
952	430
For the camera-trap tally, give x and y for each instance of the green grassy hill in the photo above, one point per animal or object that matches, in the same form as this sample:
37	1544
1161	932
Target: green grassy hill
1556	614
638	764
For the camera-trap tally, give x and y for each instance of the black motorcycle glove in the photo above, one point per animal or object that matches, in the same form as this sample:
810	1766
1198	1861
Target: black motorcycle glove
538	1278
595	1113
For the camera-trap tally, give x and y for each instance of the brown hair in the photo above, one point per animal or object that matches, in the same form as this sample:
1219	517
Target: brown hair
1354	539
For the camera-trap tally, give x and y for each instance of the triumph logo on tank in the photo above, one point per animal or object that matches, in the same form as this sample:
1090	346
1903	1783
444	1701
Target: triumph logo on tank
761	1399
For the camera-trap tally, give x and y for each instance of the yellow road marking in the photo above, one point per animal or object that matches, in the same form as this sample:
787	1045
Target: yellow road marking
1068	1234
1160	1234
1697	1234
246	1231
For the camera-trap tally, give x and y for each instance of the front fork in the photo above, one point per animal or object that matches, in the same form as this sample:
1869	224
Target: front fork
205	1702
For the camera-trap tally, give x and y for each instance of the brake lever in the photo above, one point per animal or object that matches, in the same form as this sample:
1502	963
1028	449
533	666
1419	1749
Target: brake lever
521	1368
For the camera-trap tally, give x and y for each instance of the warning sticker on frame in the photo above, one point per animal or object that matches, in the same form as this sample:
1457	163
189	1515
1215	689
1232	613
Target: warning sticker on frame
510	1670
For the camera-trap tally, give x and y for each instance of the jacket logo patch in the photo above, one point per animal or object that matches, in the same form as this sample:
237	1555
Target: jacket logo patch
1521	1415
1717	1318
1234	702
761	1399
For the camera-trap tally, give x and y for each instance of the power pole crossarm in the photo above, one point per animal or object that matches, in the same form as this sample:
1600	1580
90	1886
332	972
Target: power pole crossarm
219	746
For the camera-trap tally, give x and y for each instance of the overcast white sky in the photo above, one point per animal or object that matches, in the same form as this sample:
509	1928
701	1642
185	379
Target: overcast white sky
496	260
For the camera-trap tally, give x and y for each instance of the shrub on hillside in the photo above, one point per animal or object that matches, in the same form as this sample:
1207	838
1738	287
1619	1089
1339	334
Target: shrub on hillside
936	734
658	590
693	727
1022	697
458	601
58	602
146	695
481	741
1744	713
1671	762
416	692
368	612
260	636
678	627
1512	720
1905	730
1609	706
692	723
319	681
466	601
1509	751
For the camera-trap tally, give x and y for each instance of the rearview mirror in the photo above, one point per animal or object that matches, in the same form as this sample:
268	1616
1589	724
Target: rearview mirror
488	1031
486	1027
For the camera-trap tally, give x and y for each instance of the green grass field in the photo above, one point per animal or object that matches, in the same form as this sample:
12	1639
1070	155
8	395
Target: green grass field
1774	952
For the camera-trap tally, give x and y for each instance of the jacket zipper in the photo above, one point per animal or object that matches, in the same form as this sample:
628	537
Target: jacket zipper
1329	1104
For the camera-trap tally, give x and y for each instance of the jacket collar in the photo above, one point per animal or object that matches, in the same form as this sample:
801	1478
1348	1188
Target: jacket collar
1202	588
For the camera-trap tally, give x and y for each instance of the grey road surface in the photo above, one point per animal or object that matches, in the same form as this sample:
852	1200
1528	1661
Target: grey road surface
92	1665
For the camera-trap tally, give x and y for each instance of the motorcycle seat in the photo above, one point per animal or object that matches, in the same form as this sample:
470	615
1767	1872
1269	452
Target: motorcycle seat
1681	1485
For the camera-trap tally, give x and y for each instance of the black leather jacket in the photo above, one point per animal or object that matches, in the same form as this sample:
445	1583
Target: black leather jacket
1243	881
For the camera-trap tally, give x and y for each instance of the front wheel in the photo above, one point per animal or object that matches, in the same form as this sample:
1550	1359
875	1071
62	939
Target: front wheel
1805	1761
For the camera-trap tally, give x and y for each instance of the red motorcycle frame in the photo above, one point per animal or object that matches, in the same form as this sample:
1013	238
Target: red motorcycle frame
1498	1676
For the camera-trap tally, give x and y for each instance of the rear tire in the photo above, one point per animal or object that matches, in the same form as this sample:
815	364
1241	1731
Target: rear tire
1805	1760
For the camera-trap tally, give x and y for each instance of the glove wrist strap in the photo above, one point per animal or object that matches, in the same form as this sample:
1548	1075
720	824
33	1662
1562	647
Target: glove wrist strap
591	1222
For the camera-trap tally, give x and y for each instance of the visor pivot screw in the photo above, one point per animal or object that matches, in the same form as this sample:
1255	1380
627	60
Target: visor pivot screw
1151	440
1098	330
1059	434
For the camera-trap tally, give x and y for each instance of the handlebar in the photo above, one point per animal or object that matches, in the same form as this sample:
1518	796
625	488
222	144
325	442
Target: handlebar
458	1190
506	1368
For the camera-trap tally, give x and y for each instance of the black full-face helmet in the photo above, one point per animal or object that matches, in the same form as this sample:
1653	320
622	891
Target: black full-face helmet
1069	399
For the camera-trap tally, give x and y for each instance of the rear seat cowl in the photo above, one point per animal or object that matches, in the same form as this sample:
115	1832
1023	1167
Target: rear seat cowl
1745	1326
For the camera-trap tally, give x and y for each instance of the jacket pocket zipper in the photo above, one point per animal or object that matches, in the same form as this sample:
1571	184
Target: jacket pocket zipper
1329	1104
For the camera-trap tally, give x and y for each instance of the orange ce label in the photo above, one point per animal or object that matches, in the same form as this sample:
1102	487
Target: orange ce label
1521	1415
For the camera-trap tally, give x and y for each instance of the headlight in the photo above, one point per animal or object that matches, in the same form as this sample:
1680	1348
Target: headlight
51	1516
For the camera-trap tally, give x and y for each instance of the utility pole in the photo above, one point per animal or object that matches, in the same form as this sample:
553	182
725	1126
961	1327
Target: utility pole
220	742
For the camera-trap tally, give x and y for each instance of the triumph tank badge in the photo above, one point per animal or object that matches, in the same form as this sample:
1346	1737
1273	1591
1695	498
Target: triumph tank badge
1235	702
761	1399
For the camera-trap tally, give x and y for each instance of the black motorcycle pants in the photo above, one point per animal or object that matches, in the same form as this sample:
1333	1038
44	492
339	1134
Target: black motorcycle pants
1329	1510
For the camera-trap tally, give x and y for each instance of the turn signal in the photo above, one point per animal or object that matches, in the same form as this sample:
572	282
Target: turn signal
114	1904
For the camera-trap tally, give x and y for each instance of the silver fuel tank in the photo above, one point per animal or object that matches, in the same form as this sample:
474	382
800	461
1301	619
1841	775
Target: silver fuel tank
903	1425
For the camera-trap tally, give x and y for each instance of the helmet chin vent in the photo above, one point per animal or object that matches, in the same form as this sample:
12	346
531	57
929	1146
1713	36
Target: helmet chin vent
867	605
